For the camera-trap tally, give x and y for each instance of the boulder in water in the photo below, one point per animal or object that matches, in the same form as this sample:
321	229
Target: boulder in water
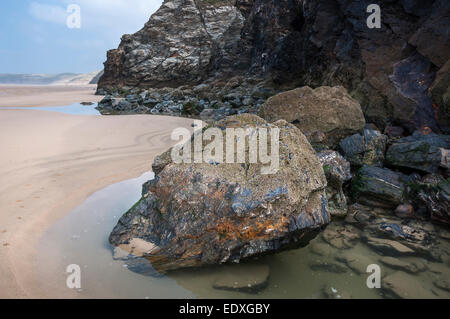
196	214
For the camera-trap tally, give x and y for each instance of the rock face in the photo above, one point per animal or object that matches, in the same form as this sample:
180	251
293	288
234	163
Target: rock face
296	43
327	111
207	213
440	95
176	46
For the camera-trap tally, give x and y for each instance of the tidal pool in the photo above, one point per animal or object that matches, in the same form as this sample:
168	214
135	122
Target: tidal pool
316	271
74	109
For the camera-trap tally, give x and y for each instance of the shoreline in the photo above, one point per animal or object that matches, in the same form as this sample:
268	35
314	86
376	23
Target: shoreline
53	163
12	95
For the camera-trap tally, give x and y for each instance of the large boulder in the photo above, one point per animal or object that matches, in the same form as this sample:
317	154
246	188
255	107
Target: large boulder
197	214
419	151
327	111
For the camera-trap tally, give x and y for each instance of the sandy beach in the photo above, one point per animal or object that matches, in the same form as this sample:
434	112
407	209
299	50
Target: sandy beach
46	95
52	162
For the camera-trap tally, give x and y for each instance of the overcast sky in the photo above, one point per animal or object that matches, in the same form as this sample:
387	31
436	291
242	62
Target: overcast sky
35	38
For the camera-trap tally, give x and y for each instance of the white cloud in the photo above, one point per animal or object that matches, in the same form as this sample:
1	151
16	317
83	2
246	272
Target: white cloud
110	16
126	15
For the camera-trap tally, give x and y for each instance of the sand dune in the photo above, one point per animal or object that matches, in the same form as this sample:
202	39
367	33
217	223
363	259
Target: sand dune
50	163
46	79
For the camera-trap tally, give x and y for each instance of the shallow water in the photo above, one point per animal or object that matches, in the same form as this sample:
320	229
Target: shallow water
81	238
74	109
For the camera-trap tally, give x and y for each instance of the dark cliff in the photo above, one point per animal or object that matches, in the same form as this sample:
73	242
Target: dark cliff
399	73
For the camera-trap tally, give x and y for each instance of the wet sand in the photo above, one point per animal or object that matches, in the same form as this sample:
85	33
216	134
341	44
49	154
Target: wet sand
51	163
46	95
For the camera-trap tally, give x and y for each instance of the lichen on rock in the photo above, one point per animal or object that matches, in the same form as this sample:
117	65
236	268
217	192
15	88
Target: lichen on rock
208	213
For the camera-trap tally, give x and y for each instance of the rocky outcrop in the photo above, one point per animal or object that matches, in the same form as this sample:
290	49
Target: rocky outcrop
325	115
176	46
215	101
207	213
295	43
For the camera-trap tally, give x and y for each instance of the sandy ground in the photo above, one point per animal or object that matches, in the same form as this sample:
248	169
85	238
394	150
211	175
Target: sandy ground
46	95
50	163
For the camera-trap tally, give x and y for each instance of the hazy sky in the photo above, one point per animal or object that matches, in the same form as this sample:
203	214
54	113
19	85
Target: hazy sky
34	36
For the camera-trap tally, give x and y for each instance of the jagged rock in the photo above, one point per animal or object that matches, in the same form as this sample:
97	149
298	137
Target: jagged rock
159	163
422	152
124	105
248	278
208	213
176	46
411	265
437	201
339	116
337	172
378	187
192	108
363	149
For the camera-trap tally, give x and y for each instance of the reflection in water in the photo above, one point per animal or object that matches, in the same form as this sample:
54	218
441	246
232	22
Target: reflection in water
316	271
74	109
